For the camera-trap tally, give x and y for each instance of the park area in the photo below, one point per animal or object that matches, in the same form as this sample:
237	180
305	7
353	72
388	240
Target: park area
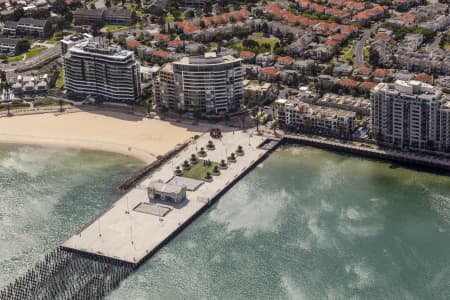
200	169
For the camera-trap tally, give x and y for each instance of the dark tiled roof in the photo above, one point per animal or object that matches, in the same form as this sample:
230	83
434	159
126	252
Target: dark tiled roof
117	12
31	21
89	12
10	24
8	41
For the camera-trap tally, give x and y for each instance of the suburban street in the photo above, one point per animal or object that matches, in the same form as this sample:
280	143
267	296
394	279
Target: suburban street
359	49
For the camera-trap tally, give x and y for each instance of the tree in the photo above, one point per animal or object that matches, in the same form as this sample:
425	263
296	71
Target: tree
40	14
92	6
18	13
199	13
258	117
374	57
108	3
23	46
149	101
189	14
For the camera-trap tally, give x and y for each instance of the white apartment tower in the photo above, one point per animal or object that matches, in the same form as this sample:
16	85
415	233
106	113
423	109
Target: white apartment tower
101	71
410	115
209	84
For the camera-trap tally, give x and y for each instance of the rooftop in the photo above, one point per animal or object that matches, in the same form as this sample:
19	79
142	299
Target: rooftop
209	58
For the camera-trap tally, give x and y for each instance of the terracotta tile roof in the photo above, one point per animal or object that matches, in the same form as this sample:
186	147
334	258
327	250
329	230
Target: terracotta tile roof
363	70
368	85
161	53
370	13
331	43
161	37
336	12
407	18
131	44
358	6
424	78
270	71
382	36
382	72
247	54
348	82
340	37
285	60
175	43
348	29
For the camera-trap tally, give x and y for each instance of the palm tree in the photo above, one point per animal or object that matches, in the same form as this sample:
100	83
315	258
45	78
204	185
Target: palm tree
149	102
243	116
259	116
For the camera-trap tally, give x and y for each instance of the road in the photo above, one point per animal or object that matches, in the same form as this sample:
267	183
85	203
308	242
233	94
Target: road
52	52
359	48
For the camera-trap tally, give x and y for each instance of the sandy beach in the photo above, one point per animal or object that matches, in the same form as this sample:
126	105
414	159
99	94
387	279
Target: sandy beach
117	132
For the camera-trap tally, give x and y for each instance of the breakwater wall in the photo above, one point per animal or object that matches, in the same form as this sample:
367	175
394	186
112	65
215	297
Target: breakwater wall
64	274
136	177
417	161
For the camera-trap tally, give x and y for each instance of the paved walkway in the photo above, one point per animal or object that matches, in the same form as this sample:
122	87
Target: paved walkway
130	236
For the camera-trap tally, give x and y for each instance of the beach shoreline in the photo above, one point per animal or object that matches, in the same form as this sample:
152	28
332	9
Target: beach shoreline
105	131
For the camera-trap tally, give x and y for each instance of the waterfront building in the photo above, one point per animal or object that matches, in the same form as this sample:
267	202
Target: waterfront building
410	115
211	84
30	85
105	72
305	117
72	40
160	191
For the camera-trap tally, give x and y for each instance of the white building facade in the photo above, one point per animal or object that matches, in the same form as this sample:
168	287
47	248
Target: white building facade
107	73
410	115
209	84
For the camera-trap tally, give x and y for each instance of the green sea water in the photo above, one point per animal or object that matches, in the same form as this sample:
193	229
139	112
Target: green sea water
46	195
305	224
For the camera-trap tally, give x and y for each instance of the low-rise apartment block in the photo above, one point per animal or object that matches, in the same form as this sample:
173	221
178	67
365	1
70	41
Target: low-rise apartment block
300	116
8	46
28	27
108	16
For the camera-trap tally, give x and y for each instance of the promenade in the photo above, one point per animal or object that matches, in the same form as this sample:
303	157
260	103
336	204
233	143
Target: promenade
374	151
125	234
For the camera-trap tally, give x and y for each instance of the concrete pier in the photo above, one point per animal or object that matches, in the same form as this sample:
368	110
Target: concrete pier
128	235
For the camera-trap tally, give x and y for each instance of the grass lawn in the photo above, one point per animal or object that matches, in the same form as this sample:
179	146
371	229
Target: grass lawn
169	17
135	8
348	54
263	40
260	40
60	81
113	28
34	52
15	58
57	36
198	170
